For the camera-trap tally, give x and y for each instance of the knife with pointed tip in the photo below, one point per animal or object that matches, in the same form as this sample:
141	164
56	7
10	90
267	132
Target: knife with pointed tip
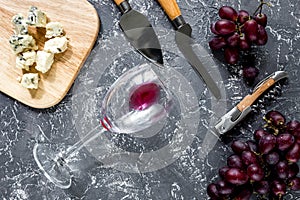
139	32
183	40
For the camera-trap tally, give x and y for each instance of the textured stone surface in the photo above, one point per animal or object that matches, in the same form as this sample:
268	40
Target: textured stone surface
21	127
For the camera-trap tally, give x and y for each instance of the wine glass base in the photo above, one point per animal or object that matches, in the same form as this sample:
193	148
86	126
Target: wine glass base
52	165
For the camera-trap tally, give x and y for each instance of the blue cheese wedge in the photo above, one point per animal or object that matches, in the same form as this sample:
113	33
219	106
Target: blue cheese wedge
56	45
44	61
21	27
30	81
25	60
54	29
20	43
36	17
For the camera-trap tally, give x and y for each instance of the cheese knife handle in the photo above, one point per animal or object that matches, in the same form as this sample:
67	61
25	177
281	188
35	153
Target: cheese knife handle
123	5
171	8
118	2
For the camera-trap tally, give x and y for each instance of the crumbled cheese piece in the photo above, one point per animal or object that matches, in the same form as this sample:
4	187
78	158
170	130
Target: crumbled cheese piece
21	28
54	29
44	61
30	81
36	17
56	45
20	43
25	60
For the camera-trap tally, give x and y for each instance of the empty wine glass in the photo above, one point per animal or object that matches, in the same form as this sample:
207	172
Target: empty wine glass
136	101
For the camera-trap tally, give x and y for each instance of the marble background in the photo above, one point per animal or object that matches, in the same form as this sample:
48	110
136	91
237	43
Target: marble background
21	127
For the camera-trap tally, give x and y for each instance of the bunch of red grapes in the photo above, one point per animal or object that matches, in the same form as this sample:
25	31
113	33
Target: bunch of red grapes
266	166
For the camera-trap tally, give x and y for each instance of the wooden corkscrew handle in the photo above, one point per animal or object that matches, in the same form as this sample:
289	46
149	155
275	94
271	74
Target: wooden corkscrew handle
118	2
171	8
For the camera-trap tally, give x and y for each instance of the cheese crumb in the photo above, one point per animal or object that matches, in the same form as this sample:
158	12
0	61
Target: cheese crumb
36	17
20	43
20	24
25	60
44	61
30	80
54	29
56	45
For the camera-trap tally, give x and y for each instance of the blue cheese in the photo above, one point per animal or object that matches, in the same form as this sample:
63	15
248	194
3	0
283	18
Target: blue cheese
20	43
21	28
36	17
25	60
44	61
30	81
54	29
56	45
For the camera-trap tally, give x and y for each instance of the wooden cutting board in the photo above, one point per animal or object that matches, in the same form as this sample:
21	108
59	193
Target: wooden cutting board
81	24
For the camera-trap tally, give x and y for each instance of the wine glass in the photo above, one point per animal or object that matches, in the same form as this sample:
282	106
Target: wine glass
136	101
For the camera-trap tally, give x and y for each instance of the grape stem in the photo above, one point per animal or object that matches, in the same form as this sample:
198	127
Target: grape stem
259	8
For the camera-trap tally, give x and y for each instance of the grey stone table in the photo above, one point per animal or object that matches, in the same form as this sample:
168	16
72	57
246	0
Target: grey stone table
187	176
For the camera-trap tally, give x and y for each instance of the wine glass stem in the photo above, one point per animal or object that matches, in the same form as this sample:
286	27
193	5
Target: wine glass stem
81	143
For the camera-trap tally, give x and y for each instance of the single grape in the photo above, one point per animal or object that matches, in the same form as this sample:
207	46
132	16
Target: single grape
278	188
262	36
213	29
267	143
212	191
233	40
294	183
272	158
293	170
251	30
293	155
244	43
236	176
217	43
292	125
222	171
261	19
255	172
239	146
227	12
250	73
224	189
243	16
248	157
262	187
296	133
225	27
234	161
285	141
231	55
281	169
259	133
252	146
275	118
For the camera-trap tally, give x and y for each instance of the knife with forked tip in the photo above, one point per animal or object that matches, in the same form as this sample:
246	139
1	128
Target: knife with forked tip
183	41
139	32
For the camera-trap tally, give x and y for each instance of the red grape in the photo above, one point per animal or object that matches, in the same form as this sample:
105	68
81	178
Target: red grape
262	36
259	133
244	194
243	16
272	158
234	161
224	188
250	73
275	118
213	29
252	146
212	191
281	169
231	55
236	176
294	183
285	141
225	27
292	125
217	43
222	171
251	30
293	155
255	172
262	187
278	188
227	12
261	19
248	157
267	143
239	146
233	40
244	43
293	170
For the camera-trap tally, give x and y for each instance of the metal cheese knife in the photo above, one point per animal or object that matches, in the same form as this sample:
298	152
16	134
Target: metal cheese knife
183	41
140	32
242	109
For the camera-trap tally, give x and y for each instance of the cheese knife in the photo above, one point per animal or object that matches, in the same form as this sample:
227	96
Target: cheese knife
139	32
183	41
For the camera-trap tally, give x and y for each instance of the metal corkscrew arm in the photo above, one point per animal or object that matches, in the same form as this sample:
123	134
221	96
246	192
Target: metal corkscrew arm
235	115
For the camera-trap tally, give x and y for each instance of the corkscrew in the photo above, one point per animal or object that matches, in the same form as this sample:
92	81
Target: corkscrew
242	109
